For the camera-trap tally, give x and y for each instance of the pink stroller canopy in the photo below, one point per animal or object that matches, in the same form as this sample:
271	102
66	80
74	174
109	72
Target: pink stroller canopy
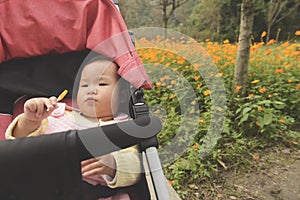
31	28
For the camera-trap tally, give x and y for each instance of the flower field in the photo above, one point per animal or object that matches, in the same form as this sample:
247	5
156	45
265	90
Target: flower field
206	128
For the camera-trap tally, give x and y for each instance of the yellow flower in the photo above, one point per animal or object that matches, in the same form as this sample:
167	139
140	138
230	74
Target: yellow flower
297	32
263	34
255	81
207	92
173	82
157	112
219	74
193	102
158	85
200	121
226	41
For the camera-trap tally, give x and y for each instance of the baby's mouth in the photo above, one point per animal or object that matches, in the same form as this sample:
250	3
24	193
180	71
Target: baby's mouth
90	99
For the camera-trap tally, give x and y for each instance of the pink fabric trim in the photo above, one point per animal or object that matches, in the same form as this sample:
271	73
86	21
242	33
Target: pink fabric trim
5	120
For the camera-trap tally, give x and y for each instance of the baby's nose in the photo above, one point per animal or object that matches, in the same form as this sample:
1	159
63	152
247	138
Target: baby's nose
92	90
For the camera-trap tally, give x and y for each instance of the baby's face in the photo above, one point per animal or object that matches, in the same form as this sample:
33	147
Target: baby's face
98	94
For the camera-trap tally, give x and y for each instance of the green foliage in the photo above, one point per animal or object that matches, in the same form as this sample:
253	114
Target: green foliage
268	115
214	19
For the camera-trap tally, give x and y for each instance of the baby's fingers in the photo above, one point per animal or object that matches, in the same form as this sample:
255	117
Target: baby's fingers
51	104
41	107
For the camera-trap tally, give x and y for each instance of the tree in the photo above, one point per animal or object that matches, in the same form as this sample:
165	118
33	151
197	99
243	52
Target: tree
241	67
276	10
206	16
168	7
136	13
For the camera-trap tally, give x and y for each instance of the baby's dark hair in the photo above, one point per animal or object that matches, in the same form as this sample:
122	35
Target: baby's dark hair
123	84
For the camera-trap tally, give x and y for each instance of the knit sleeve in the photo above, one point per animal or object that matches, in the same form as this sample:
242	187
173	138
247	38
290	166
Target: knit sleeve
39	131
128	168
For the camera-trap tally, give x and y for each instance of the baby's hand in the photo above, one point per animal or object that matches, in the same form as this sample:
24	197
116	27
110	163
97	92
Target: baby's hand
37	109
104	165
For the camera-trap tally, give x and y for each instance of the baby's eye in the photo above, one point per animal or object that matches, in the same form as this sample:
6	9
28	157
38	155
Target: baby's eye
103	84
84	85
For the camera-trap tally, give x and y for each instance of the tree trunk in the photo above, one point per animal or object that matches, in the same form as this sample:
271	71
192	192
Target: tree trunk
241	67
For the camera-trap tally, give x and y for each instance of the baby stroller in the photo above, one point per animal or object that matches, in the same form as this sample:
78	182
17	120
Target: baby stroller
45	42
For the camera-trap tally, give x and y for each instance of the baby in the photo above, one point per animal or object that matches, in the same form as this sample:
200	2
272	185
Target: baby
98	101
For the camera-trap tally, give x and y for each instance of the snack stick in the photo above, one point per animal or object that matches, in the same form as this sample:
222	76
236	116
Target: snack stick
62	95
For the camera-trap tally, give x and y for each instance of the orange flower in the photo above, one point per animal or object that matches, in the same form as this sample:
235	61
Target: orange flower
195	146
263	34
290	81
180	60
271	42
193	102
297	32
237	89
262	90
207	92
257	123
282	121
260	108
196	78
251	95
172	96
279	71
199	85
267	51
